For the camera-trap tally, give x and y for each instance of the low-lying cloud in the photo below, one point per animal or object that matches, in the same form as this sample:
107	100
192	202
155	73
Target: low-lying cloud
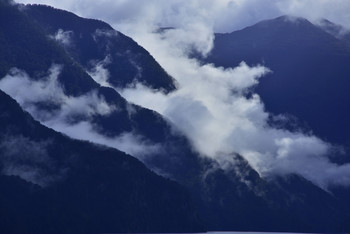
99	72
28	93
29	160
128	142
216	109
70	115
63	37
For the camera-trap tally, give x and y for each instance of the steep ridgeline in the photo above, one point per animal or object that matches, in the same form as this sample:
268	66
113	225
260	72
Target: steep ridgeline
98	189
234	199
336	30
310	71
93	42
53	184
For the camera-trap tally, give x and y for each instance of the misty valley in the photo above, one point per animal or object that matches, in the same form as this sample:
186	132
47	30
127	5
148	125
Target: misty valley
168	120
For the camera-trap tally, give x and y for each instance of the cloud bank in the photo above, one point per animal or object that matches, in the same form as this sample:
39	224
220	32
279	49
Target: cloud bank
221	15
69	115
215	109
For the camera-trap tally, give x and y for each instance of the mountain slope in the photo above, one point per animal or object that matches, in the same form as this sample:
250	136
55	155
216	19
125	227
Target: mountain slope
23	36
28	47
309	76
79	187
241	200
92	41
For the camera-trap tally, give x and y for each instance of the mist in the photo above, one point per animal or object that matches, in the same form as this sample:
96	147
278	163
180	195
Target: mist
62	117
220	15
31	161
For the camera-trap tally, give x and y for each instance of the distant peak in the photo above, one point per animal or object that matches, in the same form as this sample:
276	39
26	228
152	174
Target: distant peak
290	19
285	21
332	28
325	21
326	24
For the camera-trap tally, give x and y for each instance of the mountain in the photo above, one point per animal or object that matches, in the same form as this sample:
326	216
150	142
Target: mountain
243	201
91	41
172	155
309	78
116	194
44	43
79	187
27	46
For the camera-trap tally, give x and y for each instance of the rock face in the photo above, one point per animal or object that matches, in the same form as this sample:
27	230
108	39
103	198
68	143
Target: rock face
66	185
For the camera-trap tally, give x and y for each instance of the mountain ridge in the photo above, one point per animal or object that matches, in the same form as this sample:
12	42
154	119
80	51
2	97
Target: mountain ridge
96	181
308	70
86	48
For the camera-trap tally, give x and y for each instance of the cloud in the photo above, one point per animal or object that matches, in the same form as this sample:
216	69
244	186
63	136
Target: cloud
104	33
215	109
220	122
48	91
128	142
67	114
29	160
99	72
63	37
220	15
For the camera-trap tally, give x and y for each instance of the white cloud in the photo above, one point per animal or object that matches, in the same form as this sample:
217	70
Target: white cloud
49	91
99	72
28	93
63	37
221	15
212	109
104	33
129	142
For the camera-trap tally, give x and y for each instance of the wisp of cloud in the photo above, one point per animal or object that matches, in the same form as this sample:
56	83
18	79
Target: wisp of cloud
28	93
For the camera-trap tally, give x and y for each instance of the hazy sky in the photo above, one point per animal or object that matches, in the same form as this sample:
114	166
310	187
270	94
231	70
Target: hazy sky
222	15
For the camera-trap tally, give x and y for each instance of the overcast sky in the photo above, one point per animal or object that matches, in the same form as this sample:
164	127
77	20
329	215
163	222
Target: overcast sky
222	15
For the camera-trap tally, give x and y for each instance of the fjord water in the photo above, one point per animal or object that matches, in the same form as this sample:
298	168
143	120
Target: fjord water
245	233
251	233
